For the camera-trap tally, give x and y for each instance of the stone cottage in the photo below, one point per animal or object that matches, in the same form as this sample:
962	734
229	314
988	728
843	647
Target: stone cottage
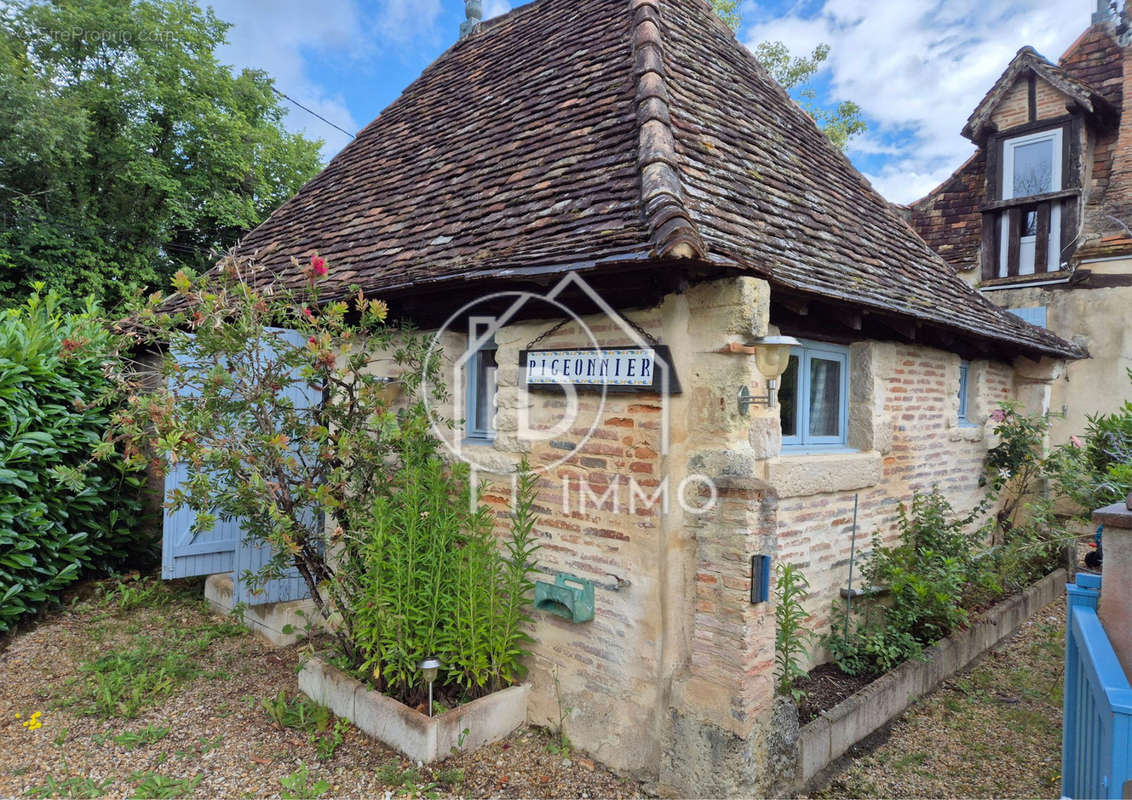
1038	219
632	175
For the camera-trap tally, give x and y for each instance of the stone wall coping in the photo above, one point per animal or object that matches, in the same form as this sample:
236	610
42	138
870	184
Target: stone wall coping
1115	516
798	474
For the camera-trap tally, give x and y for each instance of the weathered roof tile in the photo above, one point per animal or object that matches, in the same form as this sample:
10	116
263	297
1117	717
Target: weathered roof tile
591	132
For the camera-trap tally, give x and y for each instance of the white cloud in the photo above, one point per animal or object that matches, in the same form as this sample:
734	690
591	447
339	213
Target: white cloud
493	8
272	35
403	20
918	68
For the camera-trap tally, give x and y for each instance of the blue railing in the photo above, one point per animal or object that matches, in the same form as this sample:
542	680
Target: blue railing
1096	746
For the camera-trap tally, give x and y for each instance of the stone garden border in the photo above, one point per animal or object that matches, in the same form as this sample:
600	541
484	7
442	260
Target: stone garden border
420	737
825	739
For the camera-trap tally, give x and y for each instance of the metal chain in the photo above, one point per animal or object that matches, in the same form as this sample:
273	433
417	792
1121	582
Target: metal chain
647	336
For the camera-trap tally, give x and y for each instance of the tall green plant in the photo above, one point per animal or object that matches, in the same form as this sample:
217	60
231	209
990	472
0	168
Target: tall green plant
791	640
429	580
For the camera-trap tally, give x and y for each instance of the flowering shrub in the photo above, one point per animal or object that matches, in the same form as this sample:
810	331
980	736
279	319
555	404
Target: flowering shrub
56	397
348	489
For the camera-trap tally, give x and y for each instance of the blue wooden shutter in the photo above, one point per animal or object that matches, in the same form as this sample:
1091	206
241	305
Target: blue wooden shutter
252	557
223	549
185	554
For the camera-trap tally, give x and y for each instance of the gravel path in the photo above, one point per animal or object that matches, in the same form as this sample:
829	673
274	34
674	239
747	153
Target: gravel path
220	742
994	731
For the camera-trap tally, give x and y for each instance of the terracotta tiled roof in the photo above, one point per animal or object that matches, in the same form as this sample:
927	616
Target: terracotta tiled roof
1096	59
596	132
949	218
1029	60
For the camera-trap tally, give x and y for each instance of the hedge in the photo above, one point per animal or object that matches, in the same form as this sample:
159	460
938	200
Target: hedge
55	402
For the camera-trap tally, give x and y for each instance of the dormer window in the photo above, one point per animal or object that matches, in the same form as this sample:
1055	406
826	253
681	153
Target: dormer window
1033	189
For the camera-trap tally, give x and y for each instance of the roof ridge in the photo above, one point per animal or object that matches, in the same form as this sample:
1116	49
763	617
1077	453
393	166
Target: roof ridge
1054	74
671	229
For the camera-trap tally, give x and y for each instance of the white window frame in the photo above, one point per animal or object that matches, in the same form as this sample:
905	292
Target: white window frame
801	440
1028	244
1008	147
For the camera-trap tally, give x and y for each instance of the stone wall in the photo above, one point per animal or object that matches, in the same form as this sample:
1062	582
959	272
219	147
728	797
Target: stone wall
918	443
1097	318
662	502
674	634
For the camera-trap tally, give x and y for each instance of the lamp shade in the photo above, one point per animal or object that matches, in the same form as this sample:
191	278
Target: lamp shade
772	355
429	668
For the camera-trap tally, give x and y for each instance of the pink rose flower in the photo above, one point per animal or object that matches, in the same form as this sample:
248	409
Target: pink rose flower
998	415
1076	441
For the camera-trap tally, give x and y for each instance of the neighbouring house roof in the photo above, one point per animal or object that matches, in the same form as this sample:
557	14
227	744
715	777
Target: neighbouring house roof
598	134
1029	60
949	217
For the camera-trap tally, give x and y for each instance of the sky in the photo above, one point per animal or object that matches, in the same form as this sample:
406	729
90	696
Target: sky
917	68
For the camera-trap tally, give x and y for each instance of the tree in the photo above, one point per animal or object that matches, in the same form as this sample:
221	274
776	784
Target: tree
793	73
127	151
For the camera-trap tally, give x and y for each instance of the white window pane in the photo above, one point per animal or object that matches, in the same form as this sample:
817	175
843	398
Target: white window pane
825	397
1004	246
1033	168
1026	250
1054	251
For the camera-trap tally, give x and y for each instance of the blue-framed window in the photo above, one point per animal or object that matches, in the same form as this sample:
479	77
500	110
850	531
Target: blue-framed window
964	379
813	396
480	402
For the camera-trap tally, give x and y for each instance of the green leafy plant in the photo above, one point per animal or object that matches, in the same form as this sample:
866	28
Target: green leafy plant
791	640
141	738
70	787
431	581
297	712
560	745
306	715
123	681
299	786
327	745
1095	469
56	402
927	573
153	785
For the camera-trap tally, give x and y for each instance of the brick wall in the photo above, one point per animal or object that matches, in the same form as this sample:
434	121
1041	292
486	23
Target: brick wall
918	388
1014	109
671	589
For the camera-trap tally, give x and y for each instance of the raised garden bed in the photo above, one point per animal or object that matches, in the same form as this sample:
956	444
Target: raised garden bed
826	738
418	736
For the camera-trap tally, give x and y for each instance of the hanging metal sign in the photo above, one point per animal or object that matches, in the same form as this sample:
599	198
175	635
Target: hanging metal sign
616	369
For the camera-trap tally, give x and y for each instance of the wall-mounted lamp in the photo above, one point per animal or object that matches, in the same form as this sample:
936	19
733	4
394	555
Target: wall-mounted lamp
772	357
